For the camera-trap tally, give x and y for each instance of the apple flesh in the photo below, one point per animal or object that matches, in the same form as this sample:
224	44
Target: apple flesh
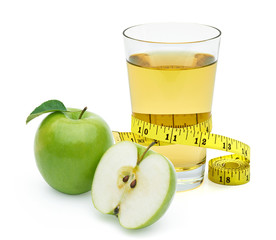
138	191
68	149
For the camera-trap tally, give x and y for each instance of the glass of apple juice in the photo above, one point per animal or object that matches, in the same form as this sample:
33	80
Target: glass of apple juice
171	72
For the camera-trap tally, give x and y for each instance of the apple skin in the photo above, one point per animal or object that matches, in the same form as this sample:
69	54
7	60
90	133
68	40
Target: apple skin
68	149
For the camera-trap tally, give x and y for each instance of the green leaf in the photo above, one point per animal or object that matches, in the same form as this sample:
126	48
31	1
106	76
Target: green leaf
46	107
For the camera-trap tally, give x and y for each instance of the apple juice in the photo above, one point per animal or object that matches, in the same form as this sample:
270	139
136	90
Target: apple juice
173	89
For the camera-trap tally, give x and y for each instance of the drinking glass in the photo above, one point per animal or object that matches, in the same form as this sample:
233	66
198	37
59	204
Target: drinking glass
171	72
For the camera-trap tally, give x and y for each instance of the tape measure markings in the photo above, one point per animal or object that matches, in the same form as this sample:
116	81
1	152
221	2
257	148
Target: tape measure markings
199	136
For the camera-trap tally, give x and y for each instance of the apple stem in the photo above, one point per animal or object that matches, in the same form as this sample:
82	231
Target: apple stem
144	153
82	112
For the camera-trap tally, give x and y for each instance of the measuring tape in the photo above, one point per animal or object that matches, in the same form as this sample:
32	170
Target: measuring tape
231	169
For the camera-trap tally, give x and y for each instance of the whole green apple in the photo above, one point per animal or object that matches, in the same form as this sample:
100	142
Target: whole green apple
68	146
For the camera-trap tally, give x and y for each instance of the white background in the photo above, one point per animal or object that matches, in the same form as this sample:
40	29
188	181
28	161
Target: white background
73	51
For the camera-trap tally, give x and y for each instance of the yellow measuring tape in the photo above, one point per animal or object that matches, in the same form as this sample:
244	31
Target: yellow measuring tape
231	169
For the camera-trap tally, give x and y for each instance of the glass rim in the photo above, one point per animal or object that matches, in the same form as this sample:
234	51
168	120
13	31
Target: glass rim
163	42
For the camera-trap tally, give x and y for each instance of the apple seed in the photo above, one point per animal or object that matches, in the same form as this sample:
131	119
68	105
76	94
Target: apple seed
133	183
125	179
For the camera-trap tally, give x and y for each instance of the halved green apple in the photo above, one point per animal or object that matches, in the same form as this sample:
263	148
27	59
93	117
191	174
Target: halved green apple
134	183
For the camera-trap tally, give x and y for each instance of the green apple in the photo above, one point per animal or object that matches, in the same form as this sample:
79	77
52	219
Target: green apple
68	147
133	183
